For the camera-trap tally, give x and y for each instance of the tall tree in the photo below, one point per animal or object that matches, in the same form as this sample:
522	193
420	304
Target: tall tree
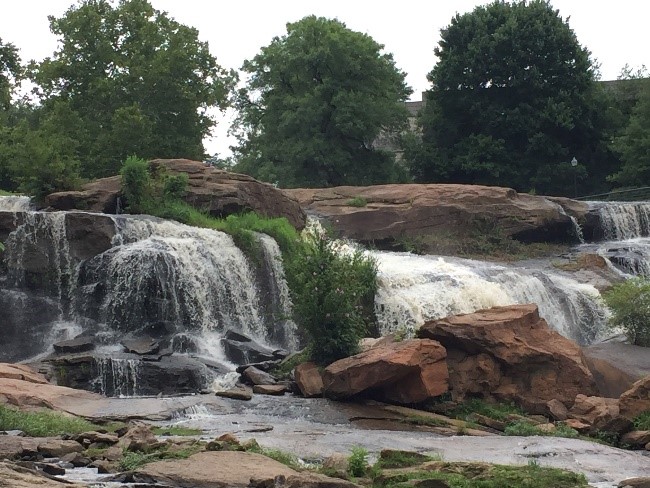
141	82
513	100
634	144
316	100
10	71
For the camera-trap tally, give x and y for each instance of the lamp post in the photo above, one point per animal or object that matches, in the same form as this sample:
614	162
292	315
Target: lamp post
574	164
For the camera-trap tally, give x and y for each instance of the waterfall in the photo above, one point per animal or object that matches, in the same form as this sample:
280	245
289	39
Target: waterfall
623	220
414	289
117	377
15	203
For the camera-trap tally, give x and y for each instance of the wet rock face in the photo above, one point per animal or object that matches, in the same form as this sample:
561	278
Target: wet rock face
130	374
403	372
511	354
393	212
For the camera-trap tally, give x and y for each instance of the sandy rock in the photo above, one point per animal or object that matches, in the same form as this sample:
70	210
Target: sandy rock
616	366
26	395
576	424
404	372
397	211
93	437
138	438
636	438
637	399
276	390
214	469
21	372
337	464
103	466
237	393
635	483
12	447
601	413
77	459
557	410
258	377
309	380
510	354
315	480
12	476
58	447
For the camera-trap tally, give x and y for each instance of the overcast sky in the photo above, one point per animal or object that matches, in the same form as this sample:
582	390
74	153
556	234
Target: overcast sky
616	32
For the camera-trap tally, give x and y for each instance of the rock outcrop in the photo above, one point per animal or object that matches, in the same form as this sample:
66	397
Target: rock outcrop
403	372
211	469
616	366
309	380
219	192
636	400
510	354
391	212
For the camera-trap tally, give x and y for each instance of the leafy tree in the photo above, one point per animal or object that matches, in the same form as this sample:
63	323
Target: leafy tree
634	144
630	305
140	81
513	100
315	101
10	72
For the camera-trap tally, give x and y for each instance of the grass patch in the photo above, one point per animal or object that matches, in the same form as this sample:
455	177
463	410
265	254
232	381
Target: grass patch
43	424
496	411
401	459
523	428
133	460
642	421
4	193
357	202
422	420
480	475
176	430
278	455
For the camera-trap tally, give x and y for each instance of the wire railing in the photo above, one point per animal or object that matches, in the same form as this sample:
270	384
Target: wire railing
627	195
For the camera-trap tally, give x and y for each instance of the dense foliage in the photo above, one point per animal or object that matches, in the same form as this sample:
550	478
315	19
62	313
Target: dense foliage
514	99
629	303
333	292
315	101
634	144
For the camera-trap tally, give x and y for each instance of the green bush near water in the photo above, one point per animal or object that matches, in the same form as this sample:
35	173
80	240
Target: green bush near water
630	305
332	290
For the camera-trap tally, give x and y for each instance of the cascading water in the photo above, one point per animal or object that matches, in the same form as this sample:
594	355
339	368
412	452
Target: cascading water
151	278
414	289
117	377
626	228
15	203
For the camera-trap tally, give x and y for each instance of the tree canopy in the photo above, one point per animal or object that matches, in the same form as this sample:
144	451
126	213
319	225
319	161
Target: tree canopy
10	69
316	100
513	100
138	81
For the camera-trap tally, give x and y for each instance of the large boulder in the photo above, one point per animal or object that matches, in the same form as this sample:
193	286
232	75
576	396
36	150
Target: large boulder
309	380
213	469
636	400
616	366
21	372
221	193
392	212
510	354
404	372
599	413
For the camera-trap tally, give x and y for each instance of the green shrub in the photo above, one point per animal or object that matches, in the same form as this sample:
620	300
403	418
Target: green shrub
137	185
358	462
642	421
630	305
333	296
357	202
523	428
497	411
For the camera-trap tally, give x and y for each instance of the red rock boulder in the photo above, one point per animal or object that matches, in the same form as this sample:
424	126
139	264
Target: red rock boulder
599	413
510	354
636	400
219	192
309	380
403	372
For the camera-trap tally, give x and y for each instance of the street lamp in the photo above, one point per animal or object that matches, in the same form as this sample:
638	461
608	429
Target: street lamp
574	164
